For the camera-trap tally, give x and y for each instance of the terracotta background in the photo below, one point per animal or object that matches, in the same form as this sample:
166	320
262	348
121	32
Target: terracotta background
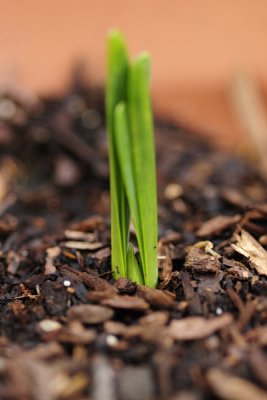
197	47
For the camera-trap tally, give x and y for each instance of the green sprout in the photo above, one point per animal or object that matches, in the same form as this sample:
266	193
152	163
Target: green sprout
132	163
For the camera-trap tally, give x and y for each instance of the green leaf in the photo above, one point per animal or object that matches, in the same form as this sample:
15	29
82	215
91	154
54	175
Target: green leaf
134	270
144	166
132	163
115	92
124	149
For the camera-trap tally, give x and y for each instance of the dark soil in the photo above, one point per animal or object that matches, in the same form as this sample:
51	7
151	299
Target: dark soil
68	330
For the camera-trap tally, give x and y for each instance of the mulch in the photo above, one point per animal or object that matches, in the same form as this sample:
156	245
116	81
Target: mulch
68	329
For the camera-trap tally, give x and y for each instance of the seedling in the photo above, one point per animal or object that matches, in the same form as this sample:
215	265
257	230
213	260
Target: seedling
132	163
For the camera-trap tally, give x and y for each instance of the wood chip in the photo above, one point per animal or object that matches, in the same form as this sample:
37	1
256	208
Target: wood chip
156	297
99	295
125	286
252	250
237	269
91	280
114	327
51	254
229	387
79	235
88	225
90	313
82	245
257	335
210	284
158	318
200	260
193	328
236	198
217	225
258	363
170	238
75	333
126	303
263	240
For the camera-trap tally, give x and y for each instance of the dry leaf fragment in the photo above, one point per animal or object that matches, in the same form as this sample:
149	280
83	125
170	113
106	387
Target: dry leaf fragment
230	387
193	328
252	250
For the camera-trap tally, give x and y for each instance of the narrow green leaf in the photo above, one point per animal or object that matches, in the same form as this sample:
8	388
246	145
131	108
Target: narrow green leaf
117	60
143	156
123	144
134	270
124	151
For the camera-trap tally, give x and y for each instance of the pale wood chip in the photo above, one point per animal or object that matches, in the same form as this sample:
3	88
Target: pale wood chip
51	254
229	387
193	328
82	245
252	250
79	235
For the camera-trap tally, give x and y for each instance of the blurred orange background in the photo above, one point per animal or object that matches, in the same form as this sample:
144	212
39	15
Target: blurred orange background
197	48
